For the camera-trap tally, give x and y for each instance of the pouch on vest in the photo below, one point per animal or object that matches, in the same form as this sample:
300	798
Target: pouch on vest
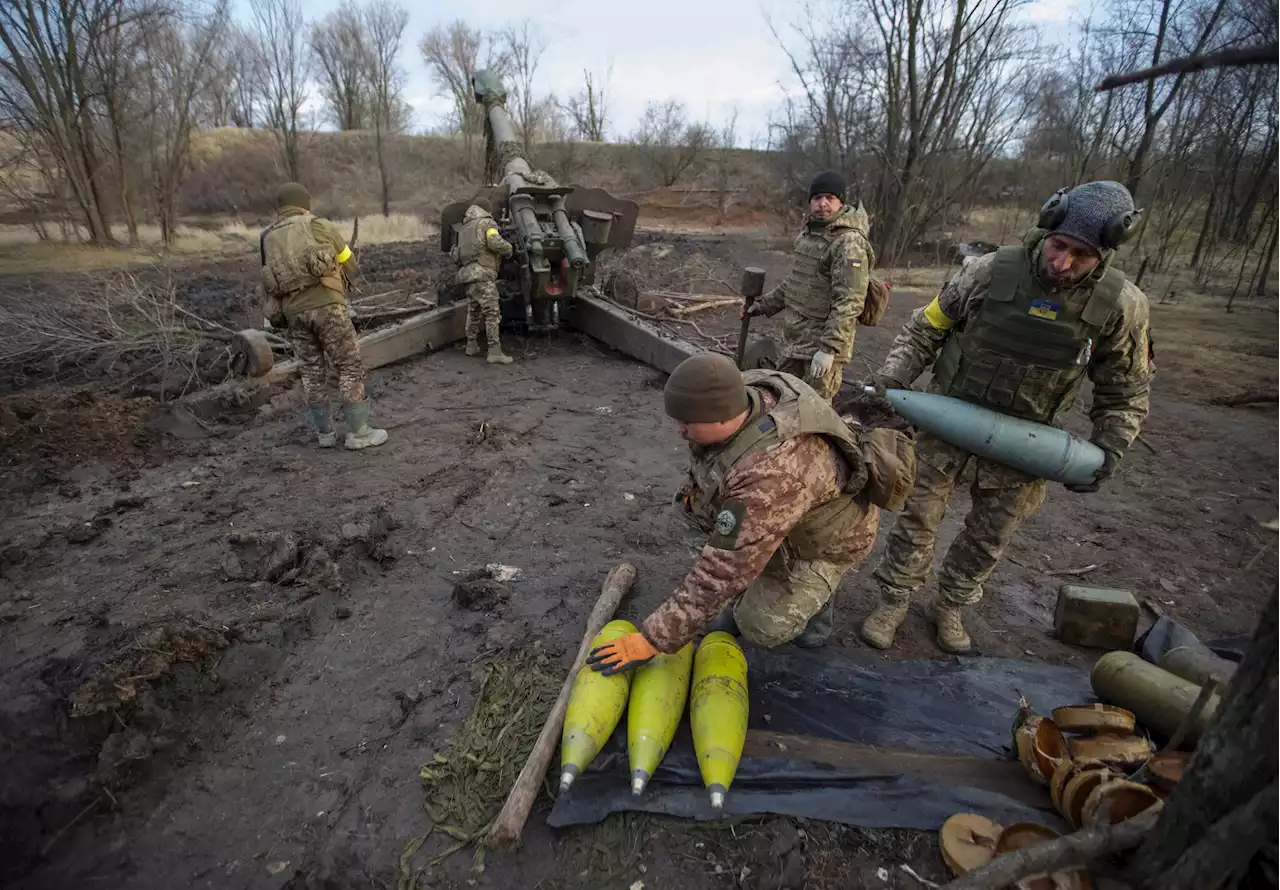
890	456
877	302
295	259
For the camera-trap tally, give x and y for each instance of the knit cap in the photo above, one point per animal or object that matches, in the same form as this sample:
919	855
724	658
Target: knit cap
705	388
1089	207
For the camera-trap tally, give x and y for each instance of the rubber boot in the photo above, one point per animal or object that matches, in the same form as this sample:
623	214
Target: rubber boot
473	346
818	630
881	625
323	426
951	633
359	433
497	356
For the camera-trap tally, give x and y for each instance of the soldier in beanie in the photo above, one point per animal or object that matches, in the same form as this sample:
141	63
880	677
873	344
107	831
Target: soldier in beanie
823	296
305	266
776	481
1017	331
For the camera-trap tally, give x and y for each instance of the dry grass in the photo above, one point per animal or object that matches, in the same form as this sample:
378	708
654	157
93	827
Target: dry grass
1203	352
22	253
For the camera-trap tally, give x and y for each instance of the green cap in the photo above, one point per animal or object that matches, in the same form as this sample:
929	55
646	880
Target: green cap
705	388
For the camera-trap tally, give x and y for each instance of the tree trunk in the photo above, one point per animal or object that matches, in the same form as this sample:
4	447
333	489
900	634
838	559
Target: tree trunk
382	163
1205	226
1224	810
1267	257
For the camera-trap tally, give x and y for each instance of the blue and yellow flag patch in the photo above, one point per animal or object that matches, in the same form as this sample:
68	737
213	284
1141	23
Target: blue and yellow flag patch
1043	308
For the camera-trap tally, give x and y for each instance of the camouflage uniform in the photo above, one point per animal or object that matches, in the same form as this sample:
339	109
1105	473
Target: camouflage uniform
823	296
481	249
319	323
1106	323
783	529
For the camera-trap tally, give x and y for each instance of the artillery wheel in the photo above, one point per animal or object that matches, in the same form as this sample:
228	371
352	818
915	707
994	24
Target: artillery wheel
255	349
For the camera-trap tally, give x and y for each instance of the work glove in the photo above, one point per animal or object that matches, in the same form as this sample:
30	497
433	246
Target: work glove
1108	467
623	654
820	365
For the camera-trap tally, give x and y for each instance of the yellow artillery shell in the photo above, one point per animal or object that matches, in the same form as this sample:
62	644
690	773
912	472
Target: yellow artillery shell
718	712
596	703
658	695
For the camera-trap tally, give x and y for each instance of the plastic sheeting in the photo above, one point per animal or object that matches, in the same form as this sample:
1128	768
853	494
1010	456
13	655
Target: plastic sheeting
1167	634
854	738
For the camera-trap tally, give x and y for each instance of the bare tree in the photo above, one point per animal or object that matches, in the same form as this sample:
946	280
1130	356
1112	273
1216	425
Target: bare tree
588	108
174	57
283	55
453	54
46	89
340	52
726	144
668	142
384	24
524	45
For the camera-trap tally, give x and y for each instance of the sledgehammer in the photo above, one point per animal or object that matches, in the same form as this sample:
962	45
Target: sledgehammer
752	287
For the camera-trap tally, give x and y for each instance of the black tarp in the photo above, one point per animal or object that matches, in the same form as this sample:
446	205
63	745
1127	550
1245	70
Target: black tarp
923	740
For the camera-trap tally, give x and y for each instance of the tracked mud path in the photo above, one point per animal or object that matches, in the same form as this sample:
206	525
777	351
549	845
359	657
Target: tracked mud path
290	757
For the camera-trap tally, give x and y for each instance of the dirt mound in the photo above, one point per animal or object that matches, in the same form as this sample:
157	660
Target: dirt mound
149	659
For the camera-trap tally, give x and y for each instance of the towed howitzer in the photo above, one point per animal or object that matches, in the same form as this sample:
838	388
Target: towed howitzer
557	231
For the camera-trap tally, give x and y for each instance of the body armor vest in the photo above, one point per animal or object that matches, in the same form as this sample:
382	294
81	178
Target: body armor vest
799	411
295	259
1026	351
472	246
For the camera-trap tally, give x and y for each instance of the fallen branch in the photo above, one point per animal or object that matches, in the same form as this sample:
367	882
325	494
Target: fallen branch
1069	851
1083	570
1252	397
385	315
680	311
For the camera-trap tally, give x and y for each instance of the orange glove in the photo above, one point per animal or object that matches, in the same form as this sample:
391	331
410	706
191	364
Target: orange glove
623	654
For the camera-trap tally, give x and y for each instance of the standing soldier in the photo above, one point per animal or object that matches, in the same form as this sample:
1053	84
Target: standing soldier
1016	331
783	487
825	293
481	249
305	266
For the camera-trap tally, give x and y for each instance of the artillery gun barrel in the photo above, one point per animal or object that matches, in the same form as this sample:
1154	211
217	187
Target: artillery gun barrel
515	169
572	246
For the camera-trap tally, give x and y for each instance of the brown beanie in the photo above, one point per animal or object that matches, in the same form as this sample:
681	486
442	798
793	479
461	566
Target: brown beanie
705	388
293	194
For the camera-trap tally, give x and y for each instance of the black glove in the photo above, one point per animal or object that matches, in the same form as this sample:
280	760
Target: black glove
1108	467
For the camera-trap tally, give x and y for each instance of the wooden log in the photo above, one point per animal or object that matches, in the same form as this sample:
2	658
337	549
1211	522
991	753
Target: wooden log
509	824
705	305
1252	397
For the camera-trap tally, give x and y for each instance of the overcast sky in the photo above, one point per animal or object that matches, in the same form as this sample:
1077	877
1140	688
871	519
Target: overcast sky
714	55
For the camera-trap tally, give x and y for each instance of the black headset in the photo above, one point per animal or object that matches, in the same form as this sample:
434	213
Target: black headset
1121	228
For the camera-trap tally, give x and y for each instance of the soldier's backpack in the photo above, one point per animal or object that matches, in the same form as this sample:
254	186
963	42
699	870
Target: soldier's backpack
876	303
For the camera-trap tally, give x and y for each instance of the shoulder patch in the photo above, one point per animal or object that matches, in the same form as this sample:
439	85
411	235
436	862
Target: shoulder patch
726	524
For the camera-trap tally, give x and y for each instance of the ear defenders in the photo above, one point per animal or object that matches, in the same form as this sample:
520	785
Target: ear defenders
1119	229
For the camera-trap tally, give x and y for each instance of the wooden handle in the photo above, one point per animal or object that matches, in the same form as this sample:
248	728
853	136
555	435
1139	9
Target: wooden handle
509	824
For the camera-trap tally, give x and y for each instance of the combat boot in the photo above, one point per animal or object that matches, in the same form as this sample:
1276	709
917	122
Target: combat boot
473	346
818	630
497	356
951	633
323	426
881	625
725	623
359	433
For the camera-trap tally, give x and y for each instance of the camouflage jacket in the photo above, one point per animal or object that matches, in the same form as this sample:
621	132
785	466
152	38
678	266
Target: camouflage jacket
824	293
1119	365
774	489
315	297
481	247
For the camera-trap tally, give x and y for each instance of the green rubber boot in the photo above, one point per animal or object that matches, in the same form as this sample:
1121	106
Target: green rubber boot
359	433
323	426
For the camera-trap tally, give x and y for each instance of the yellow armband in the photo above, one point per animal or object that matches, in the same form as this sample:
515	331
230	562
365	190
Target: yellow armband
936	317
490	232
345	255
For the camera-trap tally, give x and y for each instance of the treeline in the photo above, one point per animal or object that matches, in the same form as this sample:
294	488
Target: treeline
919	101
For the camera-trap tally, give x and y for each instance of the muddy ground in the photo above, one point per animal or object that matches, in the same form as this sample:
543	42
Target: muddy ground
226	654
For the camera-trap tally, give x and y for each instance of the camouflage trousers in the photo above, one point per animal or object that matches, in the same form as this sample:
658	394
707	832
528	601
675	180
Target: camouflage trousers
778	604
1002	499
325	340
827	387
483	312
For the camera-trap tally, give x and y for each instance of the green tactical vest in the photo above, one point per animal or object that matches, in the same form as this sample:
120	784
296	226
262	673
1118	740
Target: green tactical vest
799	411
1027	350
472	245
294	259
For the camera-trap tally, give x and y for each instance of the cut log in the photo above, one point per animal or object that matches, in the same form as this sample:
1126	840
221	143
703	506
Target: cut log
1251	397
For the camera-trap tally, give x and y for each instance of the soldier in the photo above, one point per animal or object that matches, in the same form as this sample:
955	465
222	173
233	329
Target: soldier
305	266
825	292
481	249
780	483
1017	331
